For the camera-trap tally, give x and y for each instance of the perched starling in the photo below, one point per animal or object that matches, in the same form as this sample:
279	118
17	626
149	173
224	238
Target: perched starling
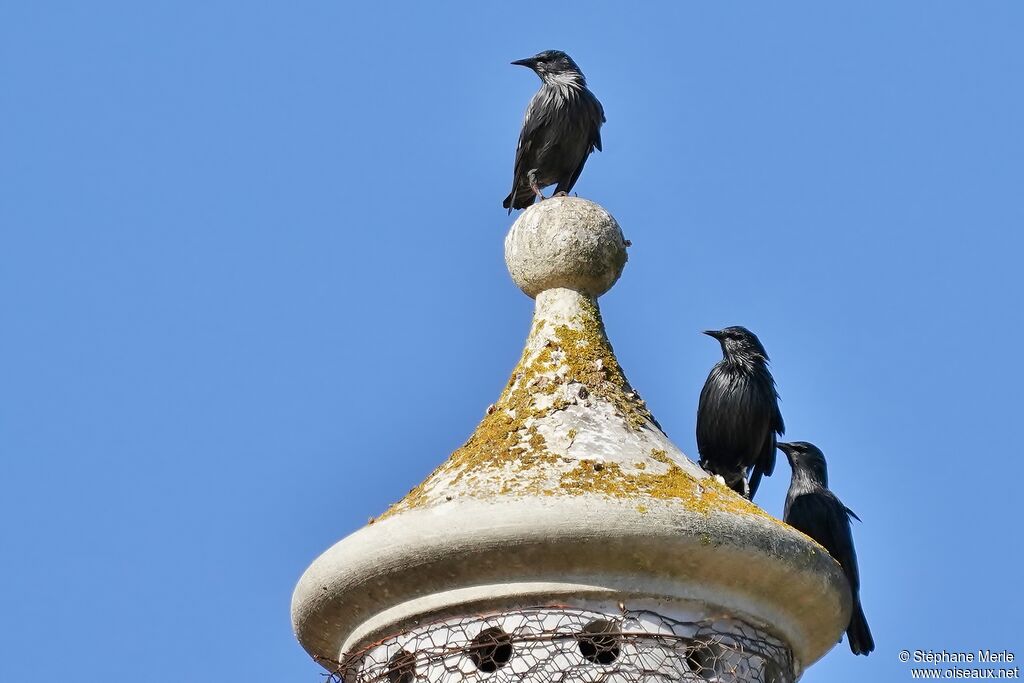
561	128
738	417
816	511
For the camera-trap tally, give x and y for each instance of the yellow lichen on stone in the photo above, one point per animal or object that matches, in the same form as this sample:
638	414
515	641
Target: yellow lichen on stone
590	361
507	438
704	495
564	365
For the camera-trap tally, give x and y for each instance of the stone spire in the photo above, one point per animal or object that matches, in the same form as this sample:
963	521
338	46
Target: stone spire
569	507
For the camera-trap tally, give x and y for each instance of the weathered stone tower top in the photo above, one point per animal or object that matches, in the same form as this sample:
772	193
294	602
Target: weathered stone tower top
568	538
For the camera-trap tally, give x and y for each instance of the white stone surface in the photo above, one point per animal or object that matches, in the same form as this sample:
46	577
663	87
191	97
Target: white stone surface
565	242
470	556
574	419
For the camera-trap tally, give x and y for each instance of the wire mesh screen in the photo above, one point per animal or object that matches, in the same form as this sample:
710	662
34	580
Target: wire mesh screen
571	646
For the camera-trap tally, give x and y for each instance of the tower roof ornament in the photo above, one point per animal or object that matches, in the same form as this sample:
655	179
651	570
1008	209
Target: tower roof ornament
570	504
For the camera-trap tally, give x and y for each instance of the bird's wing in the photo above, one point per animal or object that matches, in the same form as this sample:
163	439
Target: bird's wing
587	119
527	149
765	464
596	119
822	516
535	117
778	426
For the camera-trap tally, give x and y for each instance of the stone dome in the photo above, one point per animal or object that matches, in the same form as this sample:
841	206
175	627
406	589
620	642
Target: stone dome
570	505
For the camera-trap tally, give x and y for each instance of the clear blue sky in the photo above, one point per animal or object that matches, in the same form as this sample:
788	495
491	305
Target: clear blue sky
252	291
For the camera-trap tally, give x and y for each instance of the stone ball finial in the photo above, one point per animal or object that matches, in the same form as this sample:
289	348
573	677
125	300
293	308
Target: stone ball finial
565	242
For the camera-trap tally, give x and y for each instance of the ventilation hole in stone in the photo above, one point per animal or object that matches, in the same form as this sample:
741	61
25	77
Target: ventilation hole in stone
705	658
599	641
772	672
491	649
402	667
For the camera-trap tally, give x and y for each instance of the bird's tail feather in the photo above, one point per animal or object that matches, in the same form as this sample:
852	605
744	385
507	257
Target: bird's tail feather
755	481
519	198
861	642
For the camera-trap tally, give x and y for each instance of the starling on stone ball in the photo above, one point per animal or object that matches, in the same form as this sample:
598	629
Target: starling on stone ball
561	128
738	416
816	511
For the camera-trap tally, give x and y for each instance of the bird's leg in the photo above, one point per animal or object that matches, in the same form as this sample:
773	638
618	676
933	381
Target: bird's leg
533	186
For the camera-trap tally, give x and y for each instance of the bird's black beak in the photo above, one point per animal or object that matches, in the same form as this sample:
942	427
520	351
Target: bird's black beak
788	449
717	334
529	62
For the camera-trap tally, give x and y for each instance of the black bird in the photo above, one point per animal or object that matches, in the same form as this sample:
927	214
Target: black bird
816	511
738	416
561	128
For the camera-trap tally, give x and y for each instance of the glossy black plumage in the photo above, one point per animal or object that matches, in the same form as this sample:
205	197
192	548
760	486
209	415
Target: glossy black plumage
816	511
738	417
562	126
